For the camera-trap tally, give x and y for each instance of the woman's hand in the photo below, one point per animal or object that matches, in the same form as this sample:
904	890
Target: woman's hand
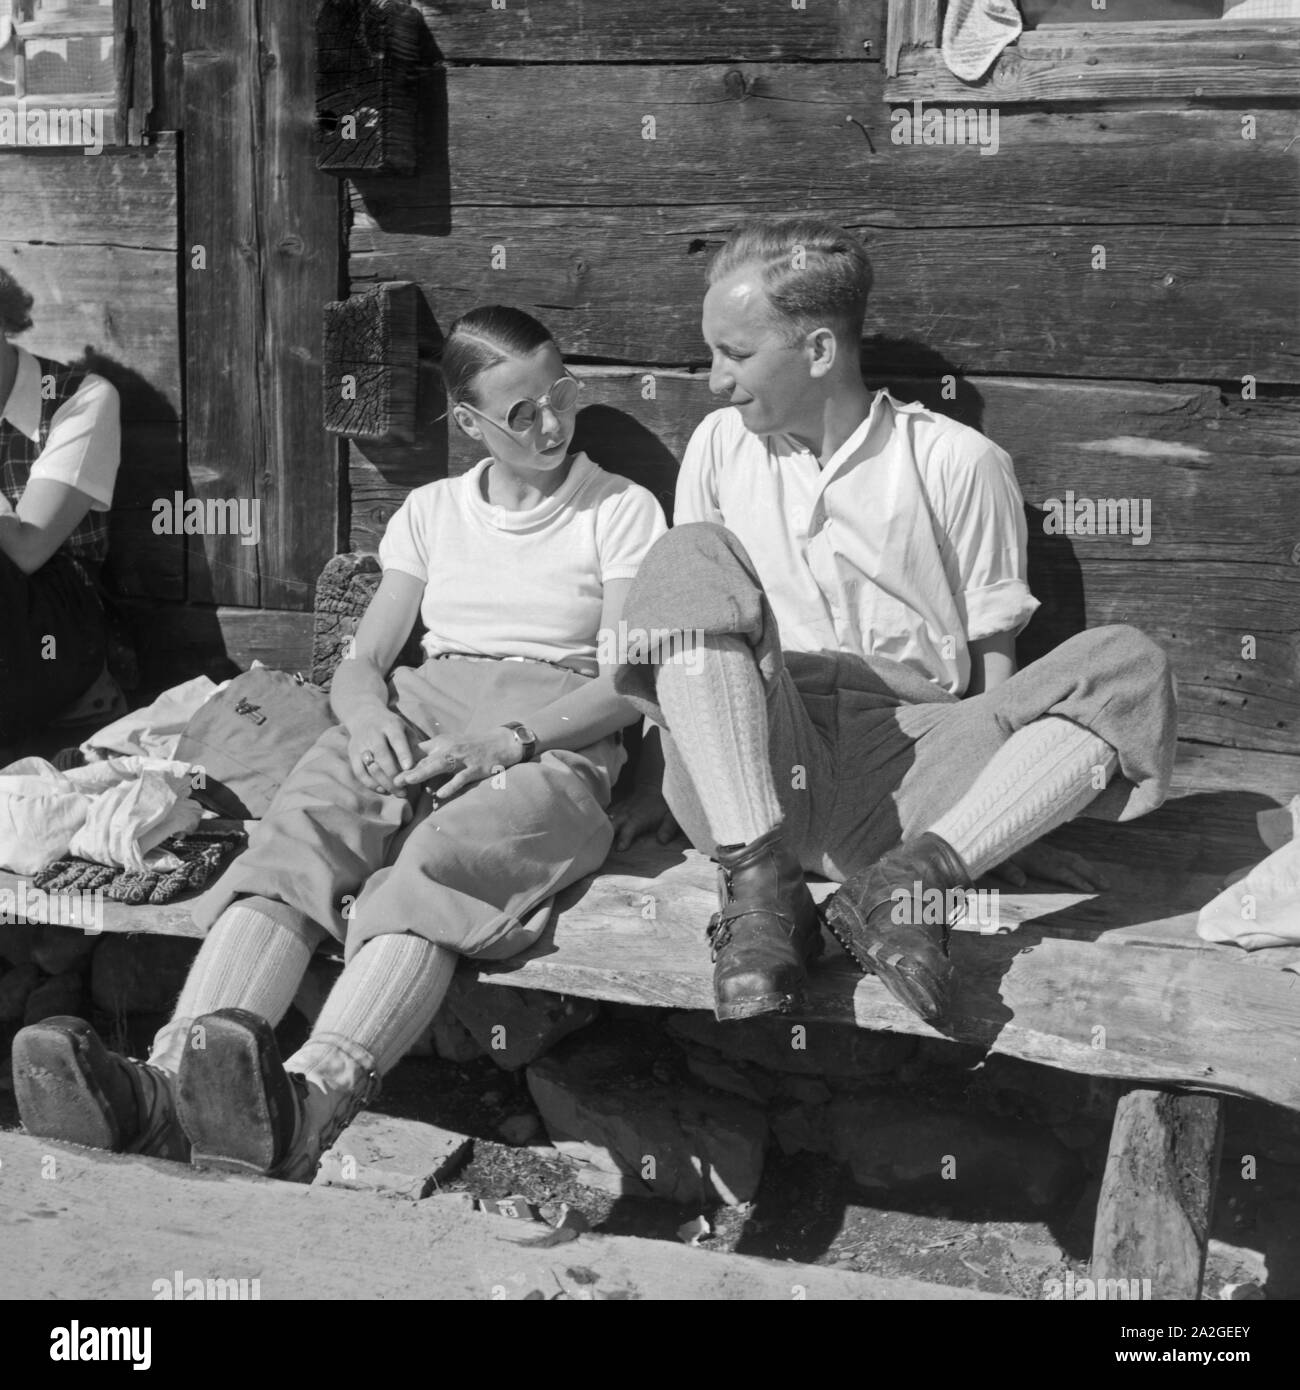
379	749
466	759
638	814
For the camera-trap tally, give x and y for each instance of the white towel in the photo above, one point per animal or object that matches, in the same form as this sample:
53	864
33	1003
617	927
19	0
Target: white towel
1263	908
155	730
975	32
113	812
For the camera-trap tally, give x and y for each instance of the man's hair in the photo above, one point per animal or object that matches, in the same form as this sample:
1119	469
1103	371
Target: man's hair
813	272
15	305
485	337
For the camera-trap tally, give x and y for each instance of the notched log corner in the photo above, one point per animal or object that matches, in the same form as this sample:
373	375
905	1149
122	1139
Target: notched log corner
371	367
366	55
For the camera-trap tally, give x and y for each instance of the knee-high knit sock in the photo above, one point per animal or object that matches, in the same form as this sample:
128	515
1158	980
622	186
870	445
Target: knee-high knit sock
253	958
713	701
386	997
1043	776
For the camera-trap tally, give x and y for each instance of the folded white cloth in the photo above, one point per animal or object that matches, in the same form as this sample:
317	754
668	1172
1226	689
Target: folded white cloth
112	812
155	730
975	32
1262	908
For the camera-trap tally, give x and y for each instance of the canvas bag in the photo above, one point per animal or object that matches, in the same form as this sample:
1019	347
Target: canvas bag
248	737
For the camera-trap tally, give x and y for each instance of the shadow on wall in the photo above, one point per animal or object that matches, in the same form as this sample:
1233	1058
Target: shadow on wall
420	202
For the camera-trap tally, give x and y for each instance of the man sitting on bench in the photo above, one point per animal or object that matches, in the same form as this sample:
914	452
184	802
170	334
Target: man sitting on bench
843	569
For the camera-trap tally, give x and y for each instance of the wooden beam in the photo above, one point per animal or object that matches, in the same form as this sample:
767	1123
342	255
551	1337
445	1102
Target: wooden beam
826	133
366	51
1157	1194
371	372
909	24
625	285
301	230
223	276
616	31
267	223
1116	62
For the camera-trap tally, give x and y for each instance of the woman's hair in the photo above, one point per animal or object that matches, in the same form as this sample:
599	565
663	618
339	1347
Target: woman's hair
483	338
15	305
812	271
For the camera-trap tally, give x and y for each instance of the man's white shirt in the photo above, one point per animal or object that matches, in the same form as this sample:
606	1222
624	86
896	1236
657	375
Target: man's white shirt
910	543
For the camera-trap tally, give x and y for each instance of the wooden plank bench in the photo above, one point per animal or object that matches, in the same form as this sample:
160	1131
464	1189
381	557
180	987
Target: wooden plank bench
1115	984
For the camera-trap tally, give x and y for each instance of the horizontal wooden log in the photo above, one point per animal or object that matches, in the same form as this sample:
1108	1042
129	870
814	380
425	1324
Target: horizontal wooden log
126	198
1116	984
625	285
371	373
1117	62
619	31
178	641
828	139
1218	583
95	243
1157	1195
366	51
114	309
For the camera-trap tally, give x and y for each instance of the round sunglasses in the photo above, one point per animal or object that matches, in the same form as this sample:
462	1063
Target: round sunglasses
524	414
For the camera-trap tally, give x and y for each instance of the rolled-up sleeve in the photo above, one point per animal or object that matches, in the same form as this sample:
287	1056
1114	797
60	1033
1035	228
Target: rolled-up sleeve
984	520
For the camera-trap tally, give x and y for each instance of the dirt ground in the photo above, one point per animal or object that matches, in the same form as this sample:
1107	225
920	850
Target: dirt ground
808	1208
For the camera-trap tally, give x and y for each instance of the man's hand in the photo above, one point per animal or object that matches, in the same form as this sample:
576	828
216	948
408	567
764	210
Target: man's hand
1050	865
638	814
465	759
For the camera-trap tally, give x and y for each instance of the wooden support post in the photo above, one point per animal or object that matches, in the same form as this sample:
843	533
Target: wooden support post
1157	1195
366	52
371	367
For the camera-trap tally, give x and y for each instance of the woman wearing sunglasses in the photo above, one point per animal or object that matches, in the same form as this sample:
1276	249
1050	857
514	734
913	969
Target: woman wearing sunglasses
437	820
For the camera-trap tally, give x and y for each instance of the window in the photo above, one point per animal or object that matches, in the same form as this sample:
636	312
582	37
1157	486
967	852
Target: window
1135	50
69	65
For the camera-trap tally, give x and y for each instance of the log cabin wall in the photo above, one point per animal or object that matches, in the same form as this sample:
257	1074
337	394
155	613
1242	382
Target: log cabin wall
583	160
191	269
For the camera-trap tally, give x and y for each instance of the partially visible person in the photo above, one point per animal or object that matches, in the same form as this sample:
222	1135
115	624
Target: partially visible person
436	821
60	444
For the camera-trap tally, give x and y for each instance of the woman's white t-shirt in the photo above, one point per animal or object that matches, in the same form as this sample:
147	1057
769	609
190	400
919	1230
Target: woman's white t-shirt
522	584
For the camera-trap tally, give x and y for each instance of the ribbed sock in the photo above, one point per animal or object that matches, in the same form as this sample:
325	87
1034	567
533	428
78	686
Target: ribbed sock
712	698
249	960
385	999
1043	776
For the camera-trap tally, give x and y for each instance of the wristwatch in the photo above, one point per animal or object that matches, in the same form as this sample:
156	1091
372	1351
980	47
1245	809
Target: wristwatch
525	738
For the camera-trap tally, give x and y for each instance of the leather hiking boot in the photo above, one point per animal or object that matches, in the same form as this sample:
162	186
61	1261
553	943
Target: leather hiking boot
879	919
245	1113
765	931
69	1086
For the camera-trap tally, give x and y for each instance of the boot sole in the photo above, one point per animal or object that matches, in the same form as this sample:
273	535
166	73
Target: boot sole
754	1008
931	1006
230	1094
56	1091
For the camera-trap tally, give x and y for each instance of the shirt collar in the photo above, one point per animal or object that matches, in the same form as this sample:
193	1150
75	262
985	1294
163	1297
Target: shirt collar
866	439
23	408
